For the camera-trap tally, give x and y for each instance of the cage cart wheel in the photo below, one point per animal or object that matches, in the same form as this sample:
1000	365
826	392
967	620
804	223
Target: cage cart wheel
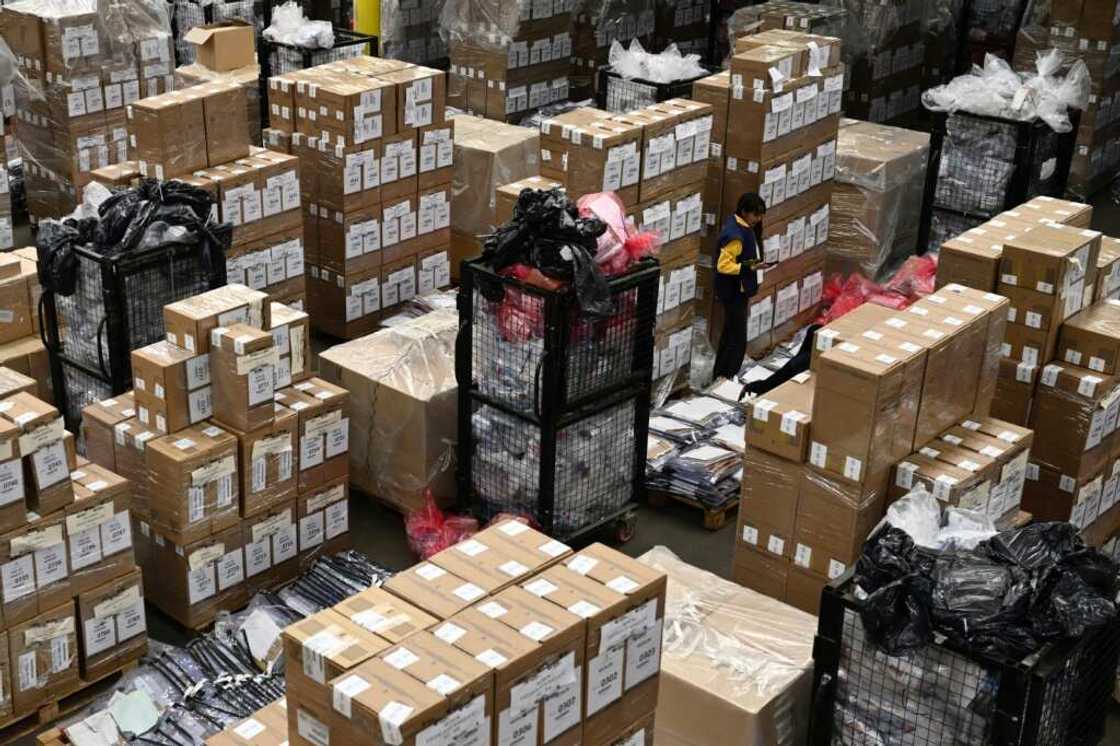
625	527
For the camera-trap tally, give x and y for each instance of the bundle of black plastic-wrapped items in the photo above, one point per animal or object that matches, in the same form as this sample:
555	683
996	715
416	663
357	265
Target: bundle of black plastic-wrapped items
1014	641
106	277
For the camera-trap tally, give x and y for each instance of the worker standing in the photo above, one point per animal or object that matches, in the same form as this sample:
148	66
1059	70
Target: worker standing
736	279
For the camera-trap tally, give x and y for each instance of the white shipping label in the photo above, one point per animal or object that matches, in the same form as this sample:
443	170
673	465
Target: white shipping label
50	565
201	583
11	482
604	679
562	711
100	635
518	728
643	656
17	578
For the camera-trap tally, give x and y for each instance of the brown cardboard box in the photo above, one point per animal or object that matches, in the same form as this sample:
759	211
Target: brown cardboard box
368	690
1014	391
1031	346
600	156
171	387
1077	411
1108	269
223	46
399	238
507	194
398	282
833	520
349	176
433	270
321	647
113	625
421	96
266	455
766	67
98	530
265	727
848	327
436	143
324	520
539	550
13	382
291	333
954	485
130	439
344	109
189	322
13	493
675	139
1073	214
491	567
384	615
227	130
433	217
41	435
271	546
1092	338
803	590
194	485
1031	308
761	572
715	90
324	436
5	677
972	303
487	155
1052	259
16	277
344	305
780	420
29	356
399	155
770	498
169	134
970	259
242	365
192	582
433	589
45	651
34	559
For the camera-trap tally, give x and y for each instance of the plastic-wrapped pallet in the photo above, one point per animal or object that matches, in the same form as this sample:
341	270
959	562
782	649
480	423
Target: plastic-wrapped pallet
877	198
409	31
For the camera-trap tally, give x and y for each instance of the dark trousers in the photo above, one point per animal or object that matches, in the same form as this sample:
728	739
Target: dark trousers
733	339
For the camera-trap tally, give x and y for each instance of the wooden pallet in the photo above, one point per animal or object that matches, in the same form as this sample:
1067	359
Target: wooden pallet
80	695
714	518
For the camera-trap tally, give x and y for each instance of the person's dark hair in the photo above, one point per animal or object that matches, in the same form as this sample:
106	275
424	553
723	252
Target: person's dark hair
750	202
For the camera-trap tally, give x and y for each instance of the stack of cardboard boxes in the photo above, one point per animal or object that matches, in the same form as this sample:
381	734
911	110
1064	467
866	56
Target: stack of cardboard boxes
71	608
237	455
21	348
1085	30
200	135
777	112
376	156
507	61
81	72
1058	369
655	160
824	449
226	54
507	633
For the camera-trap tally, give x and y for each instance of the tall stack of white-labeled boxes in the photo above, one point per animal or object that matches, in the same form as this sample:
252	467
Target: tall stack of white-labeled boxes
375	152
238	456
778	112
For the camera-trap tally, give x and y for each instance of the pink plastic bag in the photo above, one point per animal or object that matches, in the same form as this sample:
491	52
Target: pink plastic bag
430	530
622	244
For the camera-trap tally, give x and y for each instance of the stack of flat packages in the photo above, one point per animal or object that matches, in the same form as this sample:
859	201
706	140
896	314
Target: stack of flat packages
376	153
877	198
238	457
778	128
82	73
508	61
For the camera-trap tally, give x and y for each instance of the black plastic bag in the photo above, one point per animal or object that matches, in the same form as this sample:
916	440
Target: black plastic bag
1035	546
888	555
897	616
547	232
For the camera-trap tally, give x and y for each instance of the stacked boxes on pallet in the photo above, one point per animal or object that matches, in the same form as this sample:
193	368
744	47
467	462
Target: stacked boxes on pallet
81	73
1058	371
1085	30
71	605
21	348
507	61
825	448
654	159
778	112
507	633
376	165
237	455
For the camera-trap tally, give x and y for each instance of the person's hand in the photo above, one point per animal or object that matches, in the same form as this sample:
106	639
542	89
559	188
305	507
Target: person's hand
765	265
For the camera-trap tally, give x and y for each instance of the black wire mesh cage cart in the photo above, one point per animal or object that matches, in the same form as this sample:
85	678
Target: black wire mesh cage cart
619	95
553	404
941	695
116	307
981	166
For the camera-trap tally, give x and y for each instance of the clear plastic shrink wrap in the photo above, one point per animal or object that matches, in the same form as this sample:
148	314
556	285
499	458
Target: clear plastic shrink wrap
876	198
80	64
733	661
410	31
403	408
597	25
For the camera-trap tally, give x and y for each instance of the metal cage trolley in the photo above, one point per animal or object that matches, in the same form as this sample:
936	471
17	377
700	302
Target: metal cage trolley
554	404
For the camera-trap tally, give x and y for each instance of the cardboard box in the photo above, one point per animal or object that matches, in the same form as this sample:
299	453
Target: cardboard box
242	364
29	356
324	435
768	510
421	96
5	676
1077	410
1092	338
13	382
266	455
538	550
45	651
265	727
399	237
491	567
780	420
1014	391
952	484
1052	259
436	143
761	572
194	484
98	529
1108	269
189	322
324	520
834	519
602	155
349	176
271	542
34	560
168	133
13	492
487	155
223	46
384	615
227	129
113	625
291	334
16	278
399	163
507	195
344	305
130	439
433	589
848	327
192	582
171	387
407	401
320	648
803	590
344	109
46	467
702	698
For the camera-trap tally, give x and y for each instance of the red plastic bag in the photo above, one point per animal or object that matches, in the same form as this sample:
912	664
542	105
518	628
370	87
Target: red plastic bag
916	278
430	530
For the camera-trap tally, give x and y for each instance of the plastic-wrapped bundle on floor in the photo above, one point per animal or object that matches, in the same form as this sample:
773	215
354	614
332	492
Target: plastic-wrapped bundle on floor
877	198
